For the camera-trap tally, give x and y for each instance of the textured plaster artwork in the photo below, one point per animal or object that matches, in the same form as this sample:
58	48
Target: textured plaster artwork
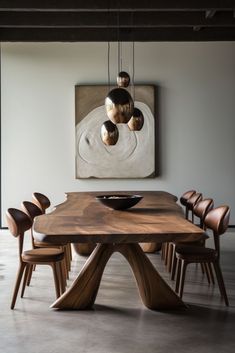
133	156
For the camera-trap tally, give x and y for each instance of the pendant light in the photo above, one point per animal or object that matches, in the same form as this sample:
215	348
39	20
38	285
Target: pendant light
119	104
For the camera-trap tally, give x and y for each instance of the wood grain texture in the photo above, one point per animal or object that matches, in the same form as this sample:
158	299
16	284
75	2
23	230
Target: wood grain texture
154	291
82	219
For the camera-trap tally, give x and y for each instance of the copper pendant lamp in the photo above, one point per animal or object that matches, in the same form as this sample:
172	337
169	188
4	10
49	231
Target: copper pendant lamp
119	104
109	133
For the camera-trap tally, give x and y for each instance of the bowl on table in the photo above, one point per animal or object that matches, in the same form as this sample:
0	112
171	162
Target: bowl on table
118	201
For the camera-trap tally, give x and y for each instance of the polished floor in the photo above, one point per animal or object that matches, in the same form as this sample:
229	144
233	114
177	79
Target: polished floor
119	322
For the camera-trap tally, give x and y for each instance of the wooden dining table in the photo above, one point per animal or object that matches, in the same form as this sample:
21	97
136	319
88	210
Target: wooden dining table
157	218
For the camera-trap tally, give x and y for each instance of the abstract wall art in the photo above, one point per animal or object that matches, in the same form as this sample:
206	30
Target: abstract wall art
133	156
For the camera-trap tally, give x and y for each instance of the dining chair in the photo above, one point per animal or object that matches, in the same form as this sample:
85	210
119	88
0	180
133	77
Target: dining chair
32	210
191	203
166	251
43	202
18	223
217	220
200	210
184	198
168	248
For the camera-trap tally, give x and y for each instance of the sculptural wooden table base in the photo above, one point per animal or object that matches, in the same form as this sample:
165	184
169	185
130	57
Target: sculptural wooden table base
154	291
82	219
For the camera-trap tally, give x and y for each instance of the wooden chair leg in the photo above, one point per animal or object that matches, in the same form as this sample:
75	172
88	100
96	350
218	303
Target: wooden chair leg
30	274
202	267
220	281
26	273
178	272
68	260
170	256
166	253
17	284
68	246
211	273
56	279
207	272
163	251
173	266
70	252
182	277
61	277
64	271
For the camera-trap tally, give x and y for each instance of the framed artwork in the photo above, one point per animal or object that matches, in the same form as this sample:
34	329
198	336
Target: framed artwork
133	156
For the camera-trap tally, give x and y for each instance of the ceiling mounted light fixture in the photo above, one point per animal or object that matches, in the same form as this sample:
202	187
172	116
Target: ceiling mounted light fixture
119	104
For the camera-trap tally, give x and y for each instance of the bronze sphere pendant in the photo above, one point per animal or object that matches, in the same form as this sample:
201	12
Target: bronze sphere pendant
123	79
137	120
109	133
119	106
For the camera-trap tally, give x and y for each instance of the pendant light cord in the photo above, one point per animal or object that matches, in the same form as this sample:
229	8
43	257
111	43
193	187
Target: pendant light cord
118	39
133	57
109	65
108	47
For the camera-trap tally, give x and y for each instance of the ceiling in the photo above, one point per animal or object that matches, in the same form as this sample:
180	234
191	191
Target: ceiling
120	20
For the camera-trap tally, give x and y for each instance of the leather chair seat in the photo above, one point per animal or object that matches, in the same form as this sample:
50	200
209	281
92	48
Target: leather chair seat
195	254
42	255
42	244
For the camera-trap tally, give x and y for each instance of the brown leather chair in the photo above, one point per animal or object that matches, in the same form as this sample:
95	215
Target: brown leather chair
200	210
184	199
41	201
191	203
217	220
32	210
18	223
168	248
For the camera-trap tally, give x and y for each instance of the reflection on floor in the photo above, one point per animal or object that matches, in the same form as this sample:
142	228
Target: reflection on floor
119	322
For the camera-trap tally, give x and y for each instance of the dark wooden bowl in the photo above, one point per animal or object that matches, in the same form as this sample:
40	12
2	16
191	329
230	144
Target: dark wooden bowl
119	202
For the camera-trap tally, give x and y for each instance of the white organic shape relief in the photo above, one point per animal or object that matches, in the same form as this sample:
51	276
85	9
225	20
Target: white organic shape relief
132	157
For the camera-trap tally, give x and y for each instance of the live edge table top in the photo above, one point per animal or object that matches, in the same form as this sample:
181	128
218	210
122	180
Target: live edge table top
82	219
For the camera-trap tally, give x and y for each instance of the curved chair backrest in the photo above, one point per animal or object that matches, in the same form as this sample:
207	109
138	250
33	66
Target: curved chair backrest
31	209
217	220
41	201
193	200
202	208
186	195
18	223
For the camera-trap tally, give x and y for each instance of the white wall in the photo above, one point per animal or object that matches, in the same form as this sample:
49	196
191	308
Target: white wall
196	84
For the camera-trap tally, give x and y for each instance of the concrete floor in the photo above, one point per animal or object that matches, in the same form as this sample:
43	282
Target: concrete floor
119	322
